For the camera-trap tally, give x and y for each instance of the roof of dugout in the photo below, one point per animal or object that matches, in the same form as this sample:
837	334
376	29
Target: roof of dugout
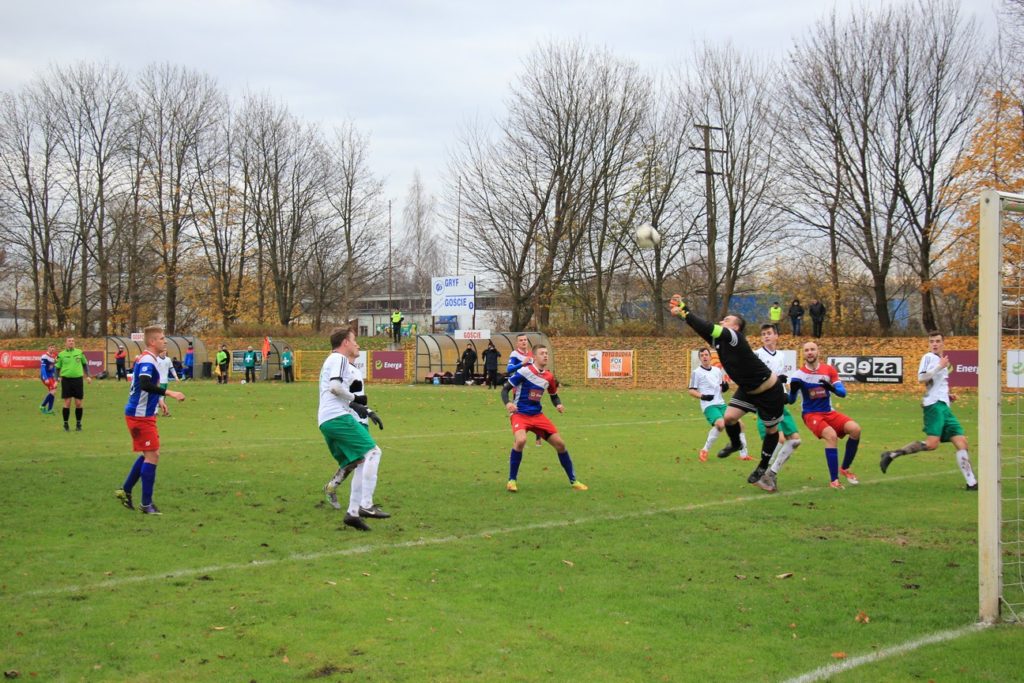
440	353
176	347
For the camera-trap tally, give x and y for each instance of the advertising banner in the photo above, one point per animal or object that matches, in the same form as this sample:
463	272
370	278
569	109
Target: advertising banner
871	369
1015	369
17	360
963	368
360	362
387	365
453	295
609	364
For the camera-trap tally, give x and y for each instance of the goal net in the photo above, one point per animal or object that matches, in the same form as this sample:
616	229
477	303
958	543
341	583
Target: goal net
1001	407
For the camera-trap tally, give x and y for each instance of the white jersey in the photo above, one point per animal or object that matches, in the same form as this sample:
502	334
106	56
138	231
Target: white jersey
336	366
164	366
708	382
937	388
774	360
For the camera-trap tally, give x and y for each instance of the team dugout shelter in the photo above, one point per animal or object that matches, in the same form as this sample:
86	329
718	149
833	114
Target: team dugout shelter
439	354
176	347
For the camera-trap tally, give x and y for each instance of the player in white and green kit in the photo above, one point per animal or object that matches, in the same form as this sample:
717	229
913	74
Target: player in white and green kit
939	422
349	441
707	382
790	440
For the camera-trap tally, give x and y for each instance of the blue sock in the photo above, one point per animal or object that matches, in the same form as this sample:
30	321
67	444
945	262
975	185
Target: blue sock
514	458
133	475
566	461
851	452
46	399
49	401
832	456
148	474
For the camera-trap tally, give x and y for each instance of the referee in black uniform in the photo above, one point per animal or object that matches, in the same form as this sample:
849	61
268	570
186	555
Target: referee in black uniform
759	389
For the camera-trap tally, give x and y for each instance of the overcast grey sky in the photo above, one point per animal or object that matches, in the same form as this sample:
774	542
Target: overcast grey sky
409	74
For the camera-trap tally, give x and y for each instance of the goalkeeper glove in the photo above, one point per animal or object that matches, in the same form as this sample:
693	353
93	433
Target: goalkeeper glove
725	387
375	419
783	379
707	397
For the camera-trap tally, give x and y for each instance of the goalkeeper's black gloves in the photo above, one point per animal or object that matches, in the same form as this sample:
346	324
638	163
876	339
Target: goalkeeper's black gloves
366	413
783	379
707	397
828	385
725	387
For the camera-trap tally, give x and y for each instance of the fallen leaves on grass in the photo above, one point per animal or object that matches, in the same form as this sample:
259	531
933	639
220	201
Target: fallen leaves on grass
838	655
568	563
784	575
862	618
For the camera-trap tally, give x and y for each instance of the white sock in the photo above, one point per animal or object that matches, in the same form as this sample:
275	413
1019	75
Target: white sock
369	468
743	443
712	435
964	460
784	451
357	491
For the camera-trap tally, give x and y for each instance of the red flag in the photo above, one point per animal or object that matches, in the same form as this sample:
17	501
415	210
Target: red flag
266	348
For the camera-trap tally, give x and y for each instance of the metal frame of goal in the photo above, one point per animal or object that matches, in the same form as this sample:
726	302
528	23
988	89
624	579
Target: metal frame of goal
1000	411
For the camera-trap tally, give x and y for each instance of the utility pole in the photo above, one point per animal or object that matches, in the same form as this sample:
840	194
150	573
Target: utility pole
711	214
390	304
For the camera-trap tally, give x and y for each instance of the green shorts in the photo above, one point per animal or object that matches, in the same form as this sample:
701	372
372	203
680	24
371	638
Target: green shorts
787	426
940	421
714	413
347	439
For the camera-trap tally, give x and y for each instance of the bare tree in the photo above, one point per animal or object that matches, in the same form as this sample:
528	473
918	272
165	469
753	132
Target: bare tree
345	261
939	70
179	108
90	103
737	93
420	254
845	70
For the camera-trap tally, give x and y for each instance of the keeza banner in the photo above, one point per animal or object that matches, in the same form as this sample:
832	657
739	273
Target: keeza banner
453	295
871	369
387	364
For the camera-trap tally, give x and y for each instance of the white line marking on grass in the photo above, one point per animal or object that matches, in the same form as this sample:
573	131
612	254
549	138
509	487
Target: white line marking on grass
426	542
827	672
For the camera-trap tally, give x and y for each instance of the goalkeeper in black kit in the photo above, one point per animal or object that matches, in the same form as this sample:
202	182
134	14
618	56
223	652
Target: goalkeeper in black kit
758	388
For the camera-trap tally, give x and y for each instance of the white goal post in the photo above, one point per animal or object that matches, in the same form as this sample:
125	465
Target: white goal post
999	544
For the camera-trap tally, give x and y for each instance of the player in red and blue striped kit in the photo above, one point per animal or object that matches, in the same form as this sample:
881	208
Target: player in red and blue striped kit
528	384
815	381
140	415
48	376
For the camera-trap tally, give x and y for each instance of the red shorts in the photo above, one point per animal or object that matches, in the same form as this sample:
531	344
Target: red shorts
538	424
817	422
143	431
50	384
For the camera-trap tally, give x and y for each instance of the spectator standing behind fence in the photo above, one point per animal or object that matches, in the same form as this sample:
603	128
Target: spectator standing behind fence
796	317
120	358
775	313
190	362
222	364
396	325
249	363
287	360
491	356
817	311
469	362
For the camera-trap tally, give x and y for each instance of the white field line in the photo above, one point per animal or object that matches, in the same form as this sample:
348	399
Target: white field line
427	542
313	437
826	672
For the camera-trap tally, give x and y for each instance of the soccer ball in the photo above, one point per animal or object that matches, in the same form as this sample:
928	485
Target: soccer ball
243	381
647	237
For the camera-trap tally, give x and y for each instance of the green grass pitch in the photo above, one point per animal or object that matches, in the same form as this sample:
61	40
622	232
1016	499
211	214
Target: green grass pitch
666	569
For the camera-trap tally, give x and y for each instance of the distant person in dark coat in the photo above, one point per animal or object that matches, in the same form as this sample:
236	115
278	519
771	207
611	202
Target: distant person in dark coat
491	356
817	311
469	362
796	317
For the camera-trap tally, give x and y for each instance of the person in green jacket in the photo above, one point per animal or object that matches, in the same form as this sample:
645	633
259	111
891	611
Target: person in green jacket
222	364
72	366
287	361
249	363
